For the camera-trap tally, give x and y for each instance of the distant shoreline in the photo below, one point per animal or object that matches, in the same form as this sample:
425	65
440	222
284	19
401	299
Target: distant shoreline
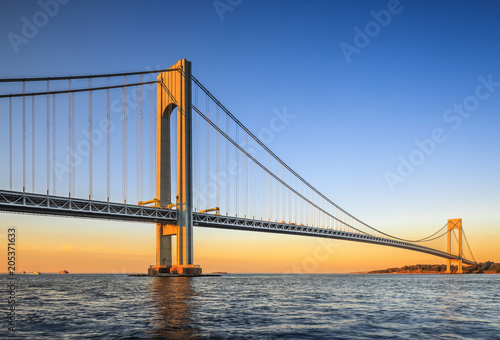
487	267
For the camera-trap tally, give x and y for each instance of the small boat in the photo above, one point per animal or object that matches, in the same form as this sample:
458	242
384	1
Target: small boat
36	273
64	272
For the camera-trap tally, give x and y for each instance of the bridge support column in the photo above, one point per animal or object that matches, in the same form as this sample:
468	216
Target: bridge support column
174	92
455	224
163	247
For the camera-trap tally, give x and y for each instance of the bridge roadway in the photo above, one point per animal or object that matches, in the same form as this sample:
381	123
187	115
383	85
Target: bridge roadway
29	203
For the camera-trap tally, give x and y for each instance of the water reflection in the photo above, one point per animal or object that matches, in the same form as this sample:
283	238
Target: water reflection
171	296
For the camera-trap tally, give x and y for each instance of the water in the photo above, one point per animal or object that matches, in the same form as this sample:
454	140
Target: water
257	306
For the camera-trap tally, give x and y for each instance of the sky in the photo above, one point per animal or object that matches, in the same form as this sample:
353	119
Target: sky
396	110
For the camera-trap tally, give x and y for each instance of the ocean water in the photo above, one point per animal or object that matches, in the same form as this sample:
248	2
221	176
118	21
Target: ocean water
256	306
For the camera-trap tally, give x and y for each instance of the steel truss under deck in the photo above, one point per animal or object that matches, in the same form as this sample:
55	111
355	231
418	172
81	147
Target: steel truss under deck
29	203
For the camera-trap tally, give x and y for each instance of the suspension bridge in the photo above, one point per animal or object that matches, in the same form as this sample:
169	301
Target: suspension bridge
195	164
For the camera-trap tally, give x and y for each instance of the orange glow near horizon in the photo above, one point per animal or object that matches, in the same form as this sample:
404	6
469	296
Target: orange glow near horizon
50	244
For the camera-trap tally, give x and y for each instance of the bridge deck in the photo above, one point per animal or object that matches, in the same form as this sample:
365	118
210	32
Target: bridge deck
29	203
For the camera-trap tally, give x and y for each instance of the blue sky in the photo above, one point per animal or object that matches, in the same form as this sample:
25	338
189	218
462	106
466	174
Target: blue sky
354	120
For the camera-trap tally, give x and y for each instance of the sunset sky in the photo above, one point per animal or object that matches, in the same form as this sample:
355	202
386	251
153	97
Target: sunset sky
367	81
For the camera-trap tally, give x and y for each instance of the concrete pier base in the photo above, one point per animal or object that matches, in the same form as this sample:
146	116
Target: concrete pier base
187	269
184	270
155	270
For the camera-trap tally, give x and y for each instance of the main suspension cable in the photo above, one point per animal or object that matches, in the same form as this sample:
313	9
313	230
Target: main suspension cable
428	238
209	94
14	95
266	169
16	80
467	242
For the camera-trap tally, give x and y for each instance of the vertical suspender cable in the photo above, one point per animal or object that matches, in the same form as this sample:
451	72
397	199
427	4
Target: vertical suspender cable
217	166
48	139
270	217
263	198
259	199
320	214
10	143
124	141
327	218
314	210
54	179
236	177
330	219
272	199
290	198
249	184
251	188
197	122
322	220
24	137
154	139
277	194
227	167
195	146
90	139
296	202
137	142
284	194
142	142
310	211
236	184
266	183
260	183
141	164
70	161
302	204
33	144
304	207
207	157
73	136
152	142
255	187
108	123
244	179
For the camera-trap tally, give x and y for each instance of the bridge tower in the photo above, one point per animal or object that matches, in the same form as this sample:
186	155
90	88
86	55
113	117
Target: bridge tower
174	91
455	224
